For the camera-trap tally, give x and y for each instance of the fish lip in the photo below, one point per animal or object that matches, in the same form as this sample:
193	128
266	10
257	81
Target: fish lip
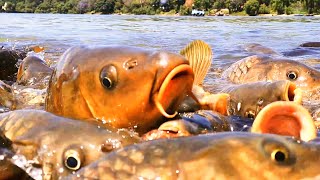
308	129
292	93
182	69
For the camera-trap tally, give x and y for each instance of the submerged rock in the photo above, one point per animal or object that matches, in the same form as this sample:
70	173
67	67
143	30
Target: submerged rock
8	63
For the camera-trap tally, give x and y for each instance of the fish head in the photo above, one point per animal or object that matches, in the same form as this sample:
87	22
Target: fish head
60	146
31	69
63	157
305	77
277	157
266	68
247	100
122	86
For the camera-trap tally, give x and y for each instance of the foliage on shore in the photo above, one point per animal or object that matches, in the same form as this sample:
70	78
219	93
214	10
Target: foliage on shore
151	7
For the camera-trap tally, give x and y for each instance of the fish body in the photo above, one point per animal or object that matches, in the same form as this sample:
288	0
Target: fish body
265	68
199	122
246	100
98	82
215	156
59	145
260	49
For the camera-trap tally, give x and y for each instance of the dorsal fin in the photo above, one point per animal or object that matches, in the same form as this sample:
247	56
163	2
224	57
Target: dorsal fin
199	55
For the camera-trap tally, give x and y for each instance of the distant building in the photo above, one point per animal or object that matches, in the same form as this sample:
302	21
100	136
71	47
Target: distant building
196	12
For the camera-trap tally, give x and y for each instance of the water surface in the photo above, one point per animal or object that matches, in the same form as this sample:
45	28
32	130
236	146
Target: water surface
228	36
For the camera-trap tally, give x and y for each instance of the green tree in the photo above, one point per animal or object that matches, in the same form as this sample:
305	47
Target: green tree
252	7
219	4
264	9
44	7
105	6
278	6
235	5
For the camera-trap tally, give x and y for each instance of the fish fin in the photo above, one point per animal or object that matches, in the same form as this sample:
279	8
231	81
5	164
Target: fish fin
199	55
215	102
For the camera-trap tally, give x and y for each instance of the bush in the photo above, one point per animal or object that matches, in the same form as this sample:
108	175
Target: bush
104	6
184	11
264	9
9	7
278	6
252	7
289	10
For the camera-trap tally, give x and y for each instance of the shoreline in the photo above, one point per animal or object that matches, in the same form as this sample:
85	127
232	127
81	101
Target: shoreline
168	14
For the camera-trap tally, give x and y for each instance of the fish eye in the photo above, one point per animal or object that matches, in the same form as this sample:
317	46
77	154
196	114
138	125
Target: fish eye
108	76
278	152
279	155
292	75
250	114
73	159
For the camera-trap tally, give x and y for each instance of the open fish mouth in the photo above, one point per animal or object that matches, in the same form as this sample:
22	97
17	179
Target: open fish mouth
292	93
285	118
176	77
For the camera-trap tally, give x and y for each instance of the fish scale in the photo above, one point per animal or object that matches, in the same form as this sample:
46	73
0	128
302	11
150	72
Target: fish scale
205	157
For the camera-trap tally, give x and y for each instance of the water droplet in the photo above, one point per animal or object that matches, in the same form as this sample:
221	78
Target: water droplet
239	106
61	170
260	102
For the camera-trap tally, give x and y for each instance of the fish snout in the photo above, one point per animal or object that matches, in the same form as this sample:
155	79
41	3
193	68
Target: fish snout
173	89
285	118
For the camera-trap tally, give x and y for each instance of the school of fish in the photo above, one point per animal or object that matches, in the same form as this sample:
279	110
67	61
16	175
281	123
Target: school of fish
121	112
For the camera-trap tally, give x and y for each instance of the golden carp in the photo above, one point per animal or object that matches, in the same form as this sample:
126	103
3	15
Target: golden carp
98	82
265	68
216	156
59	145
246	100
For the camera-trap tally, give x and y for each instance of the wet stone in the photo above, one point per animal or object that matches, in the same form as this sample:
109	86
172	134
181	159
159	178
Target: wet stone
8	64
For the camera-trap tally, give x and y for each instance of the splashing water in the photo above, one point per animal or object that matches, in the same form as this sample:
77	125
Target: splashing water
27	166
